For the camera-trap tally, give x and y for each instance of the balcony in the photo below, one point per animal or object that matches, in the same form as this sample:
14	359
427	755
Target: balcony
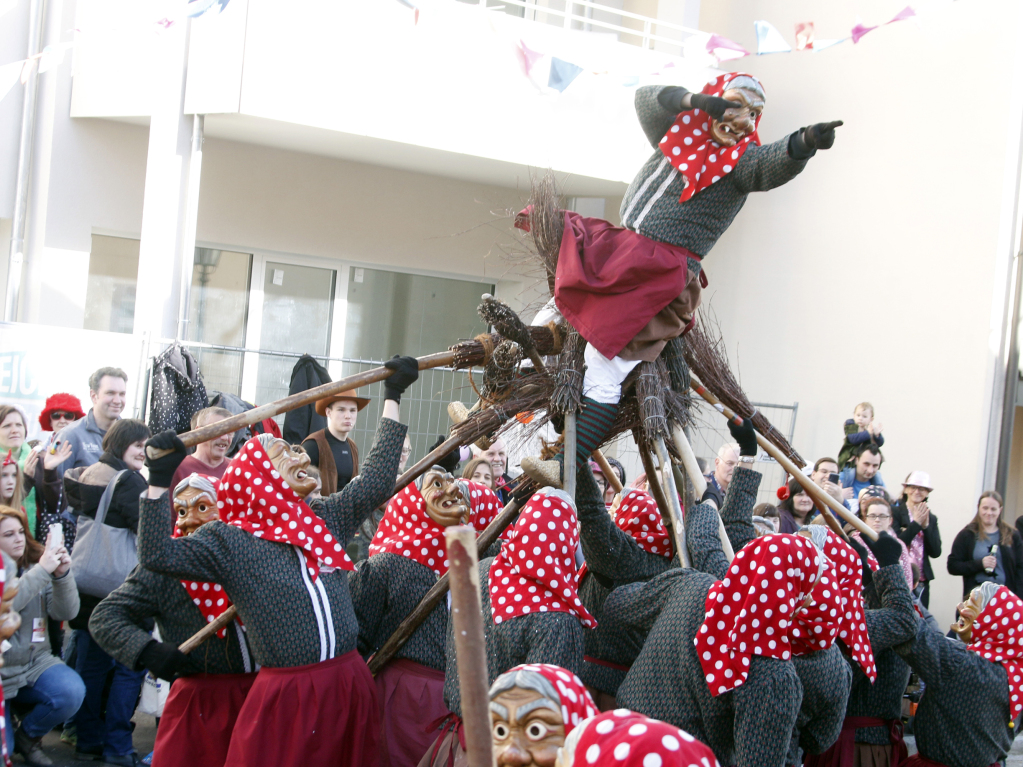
445	95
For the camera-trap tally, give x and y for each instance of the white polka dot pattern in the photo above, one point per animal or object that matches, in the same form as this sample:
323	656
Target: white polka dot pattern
407	530
626	739
535	571
639	517
253	496
576	703
688	145
761	607
852	619
998	637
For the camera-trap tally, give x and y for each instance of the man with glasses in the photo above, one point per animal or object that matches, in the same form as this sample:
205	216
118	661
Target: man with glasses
724	466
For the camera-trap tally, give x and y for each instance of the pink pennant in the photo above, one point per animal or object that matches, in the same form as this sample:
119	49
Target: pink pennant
529	56
804	35
905	13
859	31
717	42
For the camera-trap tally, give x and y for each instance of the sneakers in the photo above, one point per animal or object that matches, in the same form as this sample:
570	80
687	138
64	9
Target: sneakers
31	749
128	760
544	473
70	735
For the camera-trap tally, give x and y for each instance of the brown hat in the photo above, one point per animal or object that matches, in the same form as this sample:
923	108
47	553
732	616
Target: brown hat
352	394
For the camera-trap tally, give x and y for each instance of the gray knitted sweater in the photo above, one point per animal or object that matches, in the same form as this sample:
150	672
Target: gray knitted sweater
651	205
290	619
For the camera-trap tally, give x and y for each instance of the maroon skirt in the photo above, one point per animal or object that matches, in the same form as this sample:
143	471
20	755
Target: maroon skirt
198	719
320	715
411	696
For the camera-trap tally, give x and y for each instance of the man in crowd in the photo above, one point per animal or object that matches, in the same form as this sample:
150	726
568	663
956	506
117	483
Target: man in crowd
821	476
331	450
863	474
108	390
724	467
497	454
210	458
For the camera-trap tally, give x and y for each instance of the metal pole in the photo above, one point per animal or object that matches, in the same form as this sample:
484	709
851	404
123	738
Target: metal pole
16	260
191	214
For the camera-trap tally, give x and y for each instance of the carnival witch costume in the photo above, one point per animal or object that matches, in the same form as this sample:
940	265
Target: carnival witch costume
407	556
276	558
212	682
630	290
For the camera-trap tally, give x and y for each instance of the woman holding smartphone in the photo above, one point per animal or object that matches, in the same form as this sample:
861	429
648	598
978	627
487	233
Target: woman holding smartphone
33	677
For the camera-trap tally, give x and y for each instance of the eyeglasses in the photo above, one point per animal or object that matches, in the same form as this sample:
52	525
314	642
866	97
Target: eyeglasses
65	416
878	517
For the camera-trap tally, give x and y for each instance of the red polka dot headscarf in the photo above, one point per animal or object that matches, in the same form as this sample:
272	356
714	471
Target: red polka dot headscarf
624	738
210	598
998	637
779	598
572	695
639	516
253	496
690	148
408	530
535	571
851	615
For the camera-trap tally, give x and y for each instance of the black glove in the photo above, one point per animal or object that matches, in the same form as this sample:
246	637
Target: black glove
406	371
448	462
745	435
820	136
161	470
868	574
162	659
713	105
524	491
886	549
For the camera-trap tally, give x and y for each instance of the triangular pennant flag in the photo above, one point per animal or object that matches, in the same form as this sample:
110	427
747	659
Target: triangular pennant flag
804	35
905	13
725	49
9	76
562	73
529	56
52	56
196	8
26	70
769	39
820	45
859	31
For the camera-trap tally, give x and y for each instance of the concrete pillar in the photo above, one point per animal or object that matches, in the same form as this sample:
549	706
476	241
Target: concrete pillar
164	207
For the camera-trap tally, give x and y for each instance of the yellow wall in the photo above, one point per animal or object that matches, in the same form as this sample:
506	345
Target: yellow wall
879	273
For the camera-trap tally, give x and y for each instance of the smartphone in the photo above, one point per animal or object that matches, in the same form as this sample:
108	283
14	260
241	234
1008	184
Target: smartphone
833	479
56	536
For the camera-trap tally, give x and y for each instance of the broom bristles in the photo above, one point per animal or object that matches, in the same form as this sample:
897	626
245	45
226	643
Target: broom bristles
505	321
546	221
473	351
704	352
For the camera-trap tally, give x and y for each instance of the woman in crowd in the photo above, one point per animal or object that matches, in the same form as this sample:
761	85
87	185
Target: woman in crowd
108	735
917	526
479	470
988	549
875	511
13	431
795	509
33	678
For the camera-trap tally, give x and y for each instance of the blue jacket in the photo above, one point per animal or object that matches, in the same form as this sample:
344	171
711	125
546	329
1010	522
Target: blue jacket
86	442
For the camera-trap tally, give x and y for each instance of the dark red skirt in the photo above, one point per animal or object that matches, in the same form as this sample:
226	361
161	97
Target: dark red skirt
198	719
411	696
320	715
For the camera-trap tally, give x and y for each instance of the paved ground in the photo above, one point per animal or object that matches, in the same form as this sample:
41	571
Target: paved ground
63	755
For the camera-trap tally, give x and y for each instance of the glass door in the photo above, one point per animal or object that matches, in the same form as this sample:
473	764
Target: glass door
296	316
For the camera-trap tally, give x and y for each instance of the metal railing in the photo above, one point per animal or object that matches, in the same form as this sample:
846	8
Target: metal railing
586	20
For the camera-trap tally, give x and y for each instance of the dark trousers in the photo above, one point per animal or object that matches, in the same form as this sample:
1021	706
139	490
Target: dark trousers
110	728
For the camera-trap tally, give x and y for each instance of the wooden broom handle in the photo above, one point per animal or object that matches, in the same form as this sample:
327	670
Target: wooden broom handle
805	482
470	644
307	397
609	473
209	630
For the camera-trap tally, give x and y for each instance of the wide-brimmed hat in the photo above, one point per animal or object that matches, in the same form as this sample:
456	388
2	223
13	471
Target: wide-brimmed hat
919	479
60	401
352	394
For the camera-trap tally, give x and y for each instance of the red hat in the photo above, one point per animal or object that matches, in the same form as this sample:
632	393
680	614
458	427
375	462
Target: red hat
60	401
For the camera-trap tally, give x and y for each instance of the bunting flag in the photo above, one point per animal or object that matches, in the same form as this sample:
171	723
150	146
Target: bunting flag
196	8
860	31
562	74
804	35
769	39
529	56
724	49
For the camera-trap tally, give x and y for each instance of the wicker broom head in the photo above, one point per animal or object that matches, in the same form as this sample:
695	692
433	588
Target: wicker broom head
505	321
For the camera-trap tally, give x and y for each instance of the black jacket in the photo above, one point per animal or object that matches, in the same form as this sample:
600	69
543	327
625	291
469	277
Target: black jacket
961	561
906	529
84	488
301	422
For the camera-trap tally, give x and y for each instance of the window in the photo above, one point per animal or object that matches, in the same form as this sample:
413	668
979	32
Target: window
113	275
